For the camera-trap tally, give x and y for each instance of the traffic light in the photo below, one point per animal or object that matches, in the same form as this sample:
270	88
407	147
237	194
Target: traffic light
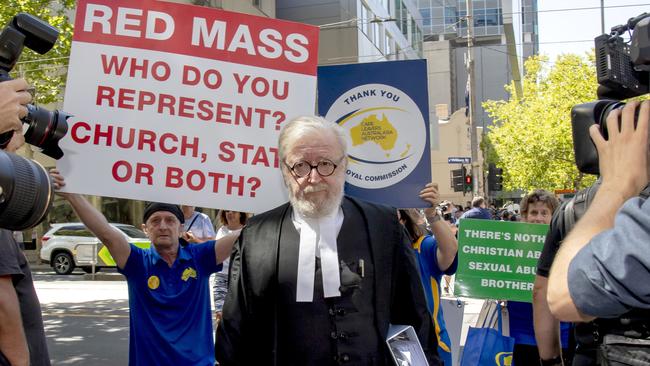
495	178
458	179
468	183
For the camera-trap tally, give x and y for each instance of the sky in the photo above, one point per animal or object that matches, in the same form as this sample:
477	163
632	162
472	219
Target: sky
573	31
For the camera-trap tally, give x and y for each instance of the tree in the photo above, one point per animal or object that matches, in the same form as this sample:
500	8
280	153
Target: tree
47	73
531	137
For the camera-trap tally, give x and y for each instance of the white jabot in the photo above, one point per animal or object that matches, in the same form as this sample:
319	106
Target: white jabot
318	239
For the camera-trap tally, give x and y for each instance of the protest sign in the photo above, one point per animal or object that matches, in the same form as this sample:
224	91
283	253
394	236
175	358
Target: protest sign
384	109
498	259
183	104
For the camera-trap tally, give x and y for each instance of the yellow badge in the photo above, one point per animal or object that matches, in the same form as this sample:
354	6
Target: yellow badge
153	282
503	359
187	273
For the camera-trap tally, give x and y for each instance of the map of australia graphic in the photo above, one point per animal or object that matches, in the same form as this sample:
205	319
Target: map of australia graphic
372	129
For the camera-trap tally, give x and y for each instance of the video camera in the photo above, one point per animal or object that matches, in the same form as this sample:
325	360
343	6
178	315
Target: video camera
623	71
26	191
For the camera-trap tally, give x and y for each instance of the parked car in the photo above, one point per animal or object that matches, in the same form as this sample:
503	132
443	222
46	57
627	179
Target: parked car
70	245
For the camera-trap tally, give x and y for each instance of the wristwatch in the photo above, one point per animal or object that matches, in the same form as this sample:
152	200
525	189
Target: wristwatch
552	362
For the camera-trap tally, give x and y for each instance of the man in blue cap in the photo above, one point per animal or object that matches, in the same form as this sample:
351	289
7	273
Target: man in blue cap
169	296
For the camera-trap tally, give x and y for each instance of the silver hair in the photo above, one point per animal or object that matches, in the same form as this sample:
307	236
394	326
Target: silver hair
304	125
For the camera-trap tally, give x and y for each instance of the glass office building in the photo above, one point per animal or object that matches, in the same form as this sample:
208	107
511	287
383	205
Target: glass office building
353	31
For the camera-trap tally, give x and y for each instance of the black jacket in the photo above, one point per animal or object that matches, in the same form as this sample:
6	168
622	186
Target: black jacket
247	332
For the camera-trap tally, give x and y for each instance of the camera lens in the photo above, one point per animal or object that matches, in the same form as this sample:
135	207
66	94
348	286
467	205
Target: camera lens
602	118
45	129
26	192
583	116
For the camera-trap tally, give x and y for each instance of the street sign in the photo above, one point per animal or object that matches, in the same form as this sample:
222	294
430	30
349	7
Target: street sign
459	160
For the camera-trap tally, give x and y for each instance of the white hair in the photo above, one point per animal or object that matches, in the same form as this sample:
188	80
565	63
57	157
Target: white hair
305	125
295	130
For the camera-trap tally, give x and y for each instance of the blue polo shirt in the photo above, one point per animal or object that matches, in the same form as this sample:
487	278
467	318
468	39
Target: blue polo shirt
426	252
522	329
170	318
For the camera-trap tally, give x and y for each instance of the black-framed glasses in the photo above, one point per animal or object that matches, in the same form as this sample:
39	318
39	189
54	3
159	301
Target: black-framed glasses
301	169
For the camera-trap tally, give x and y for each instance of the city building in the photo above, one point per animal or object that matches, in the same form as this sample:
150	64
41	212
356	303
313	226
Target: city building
264	8
505	34
359	31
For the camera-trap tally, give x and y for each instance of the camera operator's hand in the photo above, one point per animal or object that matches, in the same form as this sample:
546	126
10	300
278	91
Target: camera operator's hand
623	158
17	140
13	98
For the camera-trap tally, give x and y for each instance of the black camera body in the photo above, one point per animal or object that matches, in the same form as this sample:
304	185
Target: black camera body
44	128
623	71
26	192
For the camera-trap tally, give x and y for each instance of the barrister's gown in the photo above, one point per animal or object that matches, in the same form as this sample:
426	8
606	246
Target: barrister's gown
263	324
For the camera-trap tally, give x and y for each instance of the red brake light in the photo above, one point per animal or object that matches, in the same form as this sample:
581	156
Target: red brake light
45	238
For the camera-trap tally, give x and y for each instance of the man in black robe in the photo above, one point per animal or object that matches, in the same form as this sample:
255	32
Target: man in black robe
318	281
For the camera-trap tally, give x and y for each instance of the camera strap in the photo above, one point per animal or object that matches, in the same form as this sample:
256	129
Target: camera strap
577	206
645	193
192	223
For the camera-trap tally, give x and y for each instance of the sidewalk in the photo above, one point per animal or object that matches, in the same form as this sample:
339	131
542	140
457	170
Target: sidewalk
459	314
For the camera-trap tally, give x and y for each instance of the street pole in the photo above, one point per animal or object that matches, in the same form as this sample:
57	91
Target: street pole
602	16
472	97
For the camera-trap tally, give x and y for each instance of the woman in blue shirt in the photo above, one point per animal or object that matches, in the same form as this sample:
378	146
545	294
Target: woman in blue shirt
436	255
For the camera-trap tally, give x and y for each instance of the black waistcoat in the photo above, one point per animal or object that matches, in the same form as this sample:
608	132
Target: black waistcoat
339	330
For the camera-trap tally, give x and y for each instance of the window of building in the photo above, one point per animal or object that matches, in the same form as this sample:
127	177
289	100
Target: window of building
416	37
377	35
479	17
488	16
451	16
493	17
403	19
426	16
257	3
384	4
366	17
462	19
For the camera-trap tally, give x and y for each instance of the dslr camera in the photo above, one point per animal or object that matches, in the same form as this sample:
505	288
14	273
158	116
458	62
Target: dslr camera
623	71
26	191
445	211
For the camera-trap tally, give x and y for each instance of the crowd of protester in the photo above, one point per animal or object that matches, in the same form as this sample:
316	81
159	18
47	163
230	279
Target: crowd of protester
320	278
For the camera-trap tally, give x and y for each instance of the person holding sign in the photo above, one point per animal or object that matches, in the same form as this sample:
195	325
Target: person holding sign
163	280
536	207
436	254
319	280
